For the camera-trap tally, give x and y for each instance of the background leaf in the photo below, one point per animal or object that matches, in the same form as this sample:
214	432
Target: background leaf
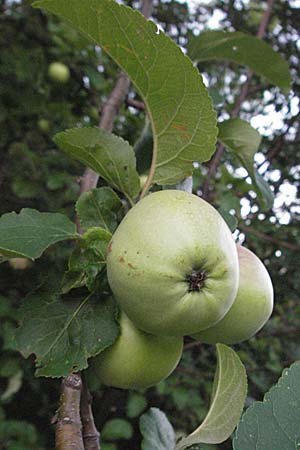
64	334
158	433
30	232
117	429
243	140
229	395
108	155
273	424
242	49
98	208
181	112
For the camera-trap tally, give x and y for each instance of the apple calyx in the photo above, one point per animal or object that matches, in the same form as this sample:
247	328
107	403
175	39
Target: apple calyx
196	280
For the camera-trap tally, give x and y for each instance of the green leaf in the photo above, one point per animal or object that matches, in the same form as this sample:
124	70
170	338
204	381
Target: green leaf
98	208
273	424
135	405
243	140
30	232
108	155
231	220
158	433
117	429
178	104
63	334
13	386
229	394
87	260
242	49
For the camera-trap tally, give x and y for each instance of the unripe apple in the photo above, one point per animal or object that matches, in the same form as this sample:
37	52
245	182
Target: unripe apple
172	264
59	72
252	307
44	125
137	359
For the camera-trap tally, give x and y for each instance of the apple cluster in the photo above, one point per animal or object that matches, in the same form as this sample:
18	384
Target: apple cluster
175	270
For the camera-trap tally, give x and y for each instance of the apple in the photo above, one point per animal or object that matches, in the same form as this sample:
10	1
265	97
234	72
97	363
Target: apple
252	307
137	359
44	125
59	72
19	263
172	264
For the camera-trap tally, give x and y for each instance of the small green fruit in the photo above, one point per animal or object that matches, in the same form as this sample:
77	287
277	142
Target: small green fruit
172	264
251	308
44	125
59	72
137	360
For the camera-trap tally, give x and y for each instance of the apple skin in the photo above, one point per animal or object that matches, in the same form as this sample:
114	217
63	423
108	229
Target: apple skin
137	360
167	237
252	307
59	72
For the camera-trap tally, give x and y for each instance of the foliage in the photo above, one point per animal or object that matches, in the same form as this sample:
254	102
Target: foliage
35	174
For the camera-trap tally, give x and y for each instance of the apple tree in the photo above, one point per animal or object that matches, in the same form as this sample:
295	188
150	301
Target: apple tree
70	320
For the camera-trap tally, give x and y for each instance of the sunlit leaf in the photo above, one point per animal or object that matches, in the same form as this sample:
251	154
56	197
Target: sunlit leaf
229	395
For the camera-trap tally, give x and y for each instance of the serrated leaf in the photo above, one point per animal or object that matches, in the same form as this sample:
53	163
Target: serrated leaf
63	334
273	424
178	104
87	260
228	399
98	208
108	155
158	433
243	140
242	49
30	232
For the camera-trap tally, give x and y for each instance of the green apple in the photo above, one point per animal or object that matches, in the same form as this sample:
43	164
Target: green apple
44	125
59	72
252	307
137	359
172	264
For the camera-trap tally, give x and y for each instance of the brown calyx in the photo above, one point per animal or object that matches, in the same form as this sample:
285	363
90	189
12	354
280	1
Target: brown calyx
196	280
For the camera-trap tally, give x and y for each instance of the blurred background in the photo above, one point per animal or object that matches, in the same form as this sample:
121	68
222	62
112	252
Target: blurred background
34	173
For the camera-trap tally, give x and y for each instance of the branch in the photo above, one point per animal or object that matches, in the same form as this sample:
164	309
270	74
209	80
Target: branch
111	108
90	433
266	237
68	426
216	159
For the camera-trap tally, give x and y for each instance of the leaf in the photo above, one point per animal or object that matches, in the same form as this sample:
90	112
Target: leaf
242	49
30	232
178	104
87	261
231	220
229	394
98	208
63	334
158	433
117	429
136	403
243	140
108	155
13	386
273	424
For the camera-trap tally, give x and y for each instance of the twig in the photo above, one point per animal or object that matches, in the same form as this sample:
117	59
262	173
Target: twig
89	431
68	427
266	237
135	103
216	159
